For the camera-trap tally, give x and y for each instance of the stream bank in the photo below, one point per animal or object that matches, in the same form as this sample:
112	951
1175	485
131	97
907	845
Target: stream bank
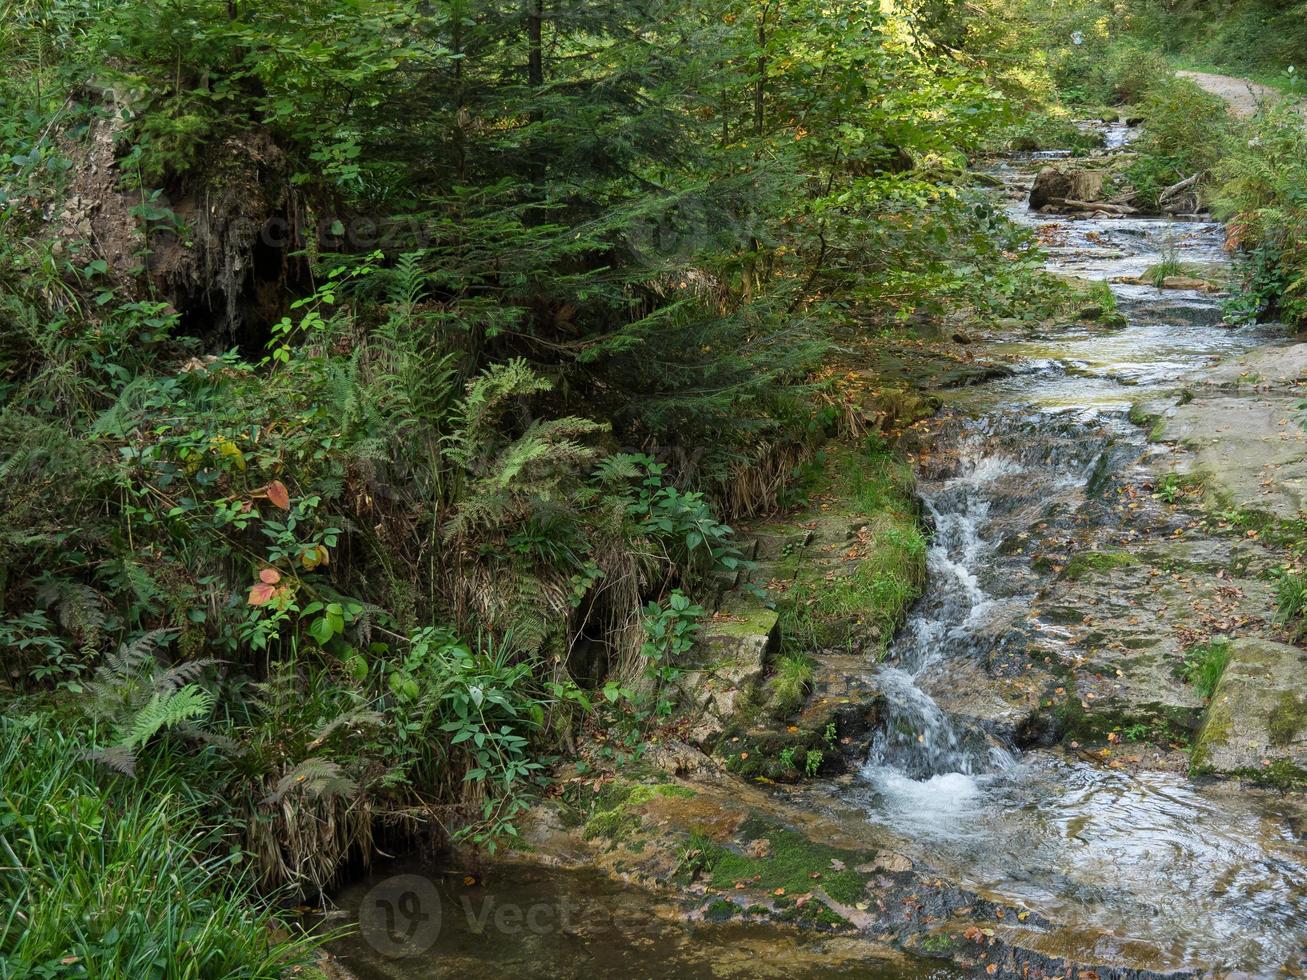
1025	785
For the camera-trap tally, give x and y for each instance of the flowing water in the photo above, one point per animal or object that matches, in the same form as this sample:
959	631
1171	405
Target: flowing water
1146	868
1144	864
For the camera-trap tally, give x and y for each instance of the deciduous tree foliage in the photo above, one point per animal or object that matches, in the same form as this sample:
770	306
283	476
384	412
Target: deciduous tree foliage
492	309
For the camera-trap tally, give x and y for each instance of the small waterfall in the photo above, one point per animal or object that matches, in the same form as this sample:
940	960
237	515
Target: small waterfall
917	739
1008	472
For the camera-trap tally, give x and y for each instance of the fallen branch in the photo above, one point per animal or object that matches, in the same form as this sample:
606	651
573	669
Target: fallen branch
1099	206
1177	188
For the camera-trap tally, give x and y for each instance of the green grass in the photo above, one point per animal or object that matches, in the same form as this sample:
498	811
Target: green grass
787	689
112	877
1159	272
1204	665
866	599
1291	600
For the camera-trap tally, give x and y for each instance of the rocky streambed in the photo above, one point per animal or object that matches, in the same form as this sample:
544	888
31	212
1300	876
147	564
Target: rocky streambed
1026	780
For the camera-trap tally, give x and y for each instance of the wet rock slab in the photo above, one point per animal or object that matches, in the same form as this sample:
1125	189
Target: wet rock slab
1276	365
1249	450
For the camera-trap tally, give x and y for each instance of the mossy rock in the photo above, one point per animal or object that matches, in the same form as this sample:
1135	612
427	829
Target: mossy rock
1097	561
790	865
614	814
785	755
1256	724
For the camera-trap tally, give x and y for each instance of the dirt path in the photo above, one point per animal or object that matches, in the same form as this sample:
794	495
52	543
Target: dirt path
1244	96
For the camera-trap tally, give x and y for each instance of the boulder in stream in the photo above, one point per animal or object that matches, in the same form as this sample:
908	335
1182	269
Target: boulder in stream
1057	185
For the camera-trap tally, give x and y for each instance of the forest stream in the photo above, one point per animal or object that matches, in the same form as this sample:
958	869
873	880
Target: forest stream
1136	867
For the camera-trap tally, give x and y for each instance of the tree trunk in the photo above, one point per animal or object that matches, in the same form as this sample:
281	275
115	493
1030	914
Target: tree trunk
535	66
760	83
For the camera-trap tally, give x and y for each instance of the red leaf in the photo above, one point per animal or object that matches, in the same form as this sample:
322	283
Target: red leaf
278	494
261	594
269	576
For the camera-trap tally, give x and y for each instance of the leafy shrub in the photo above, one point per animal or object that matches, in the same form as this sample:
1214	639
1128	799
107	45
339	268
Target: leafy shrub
1045	131
1135	72
1187	131
1260	194
670	630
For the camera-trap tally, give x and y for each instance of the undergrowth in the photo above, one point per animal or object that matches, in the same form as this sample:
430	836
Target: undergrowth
121	878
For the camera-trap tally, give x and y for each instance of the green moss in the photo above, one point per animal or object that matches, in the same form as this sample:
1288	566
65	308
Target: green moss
938	945
1287	718
613	817
1163	726
1097	561
1140	416
869	600
1216	729
744	621
795	864
1282	775
643	794
811	913
719	910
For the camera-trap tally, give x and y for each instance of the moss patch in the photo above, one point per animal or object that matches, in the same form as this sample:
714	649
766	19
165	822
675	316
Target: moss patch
794	865
1287	718
1097	561
1162	725
741	621
613	816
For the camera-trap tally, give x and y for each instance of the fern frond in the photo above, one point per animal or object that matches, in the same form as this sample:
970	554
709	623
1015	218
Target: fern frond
351	719
116	757
228	746
617	469
165	710
316	777
133	657
179	675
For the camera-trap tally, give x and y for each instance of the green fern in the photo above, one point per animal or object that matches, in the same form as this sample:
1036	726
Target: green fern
166	710
140	696
318	778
